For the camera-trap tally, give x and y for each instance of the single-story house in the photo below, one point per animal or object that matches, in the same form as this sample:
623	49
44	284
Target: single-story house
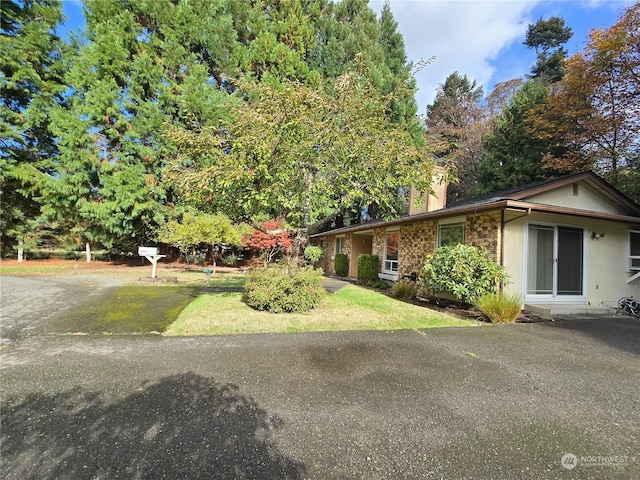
570	245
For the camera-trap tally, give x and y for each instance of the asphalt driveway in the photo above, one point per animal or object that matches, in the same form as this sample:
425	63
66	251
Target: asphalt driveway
479	402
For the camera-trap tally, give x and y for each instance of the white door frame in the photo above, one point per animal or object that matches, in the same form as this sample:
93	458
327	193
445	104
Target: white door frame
553	297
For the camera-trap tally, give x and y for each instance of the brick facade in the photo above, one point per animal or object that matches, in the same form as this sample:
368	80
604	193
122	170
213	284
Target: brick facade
418	239
378	243
483	230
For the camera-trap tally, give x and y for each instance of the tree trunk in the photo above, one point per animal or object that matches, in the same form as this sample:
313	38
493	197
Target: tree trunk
302	235
20	251
87	250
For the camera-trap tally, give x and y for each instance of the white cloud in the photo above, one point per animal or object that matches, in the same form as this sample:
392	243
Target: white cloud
463	35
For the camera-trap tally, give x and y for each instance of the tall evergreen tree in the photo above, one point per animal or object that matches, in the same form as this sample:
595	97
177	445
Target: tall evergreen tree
398	69
349	32
275	38
32	66
547	38
513	157
514	154
144	64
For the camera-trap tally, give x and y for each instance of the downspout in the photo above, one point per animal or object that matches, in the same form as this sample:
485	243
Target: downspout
502	222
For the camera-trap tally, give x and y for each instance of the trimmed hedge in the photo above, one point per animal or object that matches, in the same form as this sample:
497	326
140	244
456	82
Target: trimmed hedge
341	265
368	268
276	290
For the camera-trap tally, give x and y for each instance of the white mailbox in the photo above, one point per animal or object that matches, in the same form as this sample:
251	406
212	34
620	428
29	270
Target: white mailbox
144	251
151	254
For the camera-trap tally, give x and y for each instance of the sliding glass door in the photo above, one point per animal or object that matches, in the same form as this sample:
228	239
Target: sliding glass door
555	261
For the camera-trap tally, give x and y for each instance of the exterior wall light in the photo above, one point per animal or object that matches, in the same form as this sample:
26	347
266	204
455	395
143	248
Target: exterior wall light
597	235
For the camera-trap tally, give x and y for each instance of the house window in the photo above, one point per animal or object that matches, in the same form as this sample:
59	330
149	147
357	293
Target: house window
450	233
391	247
634	250
340	244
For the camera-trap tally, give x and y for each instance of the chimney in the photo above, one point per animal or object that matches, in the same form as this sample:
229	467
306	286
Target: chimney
420	202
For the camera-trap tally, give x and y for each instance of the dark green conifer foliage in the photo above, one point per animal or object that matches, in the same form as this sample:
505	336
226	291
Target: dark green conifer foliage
547	38
32	66
513	157
145	64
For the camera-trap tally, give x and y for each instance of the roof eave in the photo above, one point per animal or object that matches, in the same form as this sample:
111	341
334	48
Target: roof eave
499	204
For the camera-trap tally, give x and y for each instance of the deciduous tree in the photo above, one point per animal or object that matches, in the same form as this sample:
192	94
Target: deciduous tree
595	112
301	154
457	123
272	240
195	229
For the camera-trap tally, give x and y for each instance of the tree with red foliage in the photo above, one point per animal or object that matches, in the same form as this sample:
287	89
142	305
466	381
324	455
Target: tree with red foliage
271	240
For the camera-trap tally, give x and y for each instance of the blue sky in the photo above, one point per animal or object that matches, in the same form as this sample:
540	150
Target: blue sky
479	38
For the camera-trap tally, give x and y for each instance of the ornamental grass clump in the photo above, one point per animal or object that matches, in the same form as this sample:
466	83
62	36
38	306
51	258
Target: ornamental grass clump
284	290
499	307
464	271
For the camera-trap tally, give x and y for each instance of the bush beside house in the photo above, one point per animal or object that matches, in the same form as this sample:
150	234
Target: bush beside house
368	267
464	271
341	265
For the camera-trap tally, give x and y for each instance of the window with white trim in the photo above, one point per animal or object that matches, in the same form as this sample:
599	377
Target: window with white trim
391	250
634	250
340	244
450	233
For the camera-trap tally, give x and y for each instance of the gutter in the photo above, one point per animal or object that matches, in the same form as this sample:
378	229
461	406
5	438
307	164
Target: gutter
487	206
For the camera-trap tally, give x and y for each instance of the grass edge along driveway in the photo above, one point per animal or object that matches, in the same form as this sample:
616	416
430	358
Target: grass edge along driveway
351	308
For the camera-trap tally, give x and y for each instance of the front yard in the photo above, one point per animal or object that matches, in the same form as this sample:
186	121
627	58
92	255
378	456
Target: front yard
193	309
351	308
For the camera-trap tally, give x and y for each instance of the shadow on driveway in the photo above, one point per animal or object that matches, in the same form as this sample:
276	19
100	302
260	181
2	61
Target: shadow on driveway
183	426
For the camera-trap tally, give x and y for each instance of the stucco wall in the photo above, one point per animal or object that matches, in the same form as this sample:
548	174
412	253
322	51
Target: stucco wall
605	258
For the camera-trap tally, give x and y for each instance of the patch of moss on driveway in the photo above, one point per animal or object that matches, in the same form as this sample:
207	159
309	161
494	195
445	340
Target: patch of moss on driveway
125	310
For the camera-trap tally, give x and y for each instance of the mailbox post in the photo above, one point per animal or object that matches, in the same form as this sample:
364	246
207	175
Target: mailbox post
151	254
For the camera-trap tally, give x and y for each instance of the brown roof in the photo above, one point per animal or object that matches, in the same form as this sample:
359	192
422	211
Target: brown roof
516	199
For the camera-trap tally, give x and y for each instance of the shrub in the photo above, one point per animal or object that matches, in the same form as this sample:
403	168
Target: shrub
313	254
464	271
368	268
500	308
381	284
278	290
341	265
231	260
404	289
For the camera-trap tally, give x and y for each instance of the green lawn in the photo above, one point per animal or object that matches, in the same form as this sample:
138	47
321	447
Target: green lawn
351	308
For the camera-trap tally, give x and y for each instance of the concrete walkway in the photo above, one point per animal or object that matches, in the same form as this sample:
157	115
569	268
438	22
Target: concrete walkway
332	284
